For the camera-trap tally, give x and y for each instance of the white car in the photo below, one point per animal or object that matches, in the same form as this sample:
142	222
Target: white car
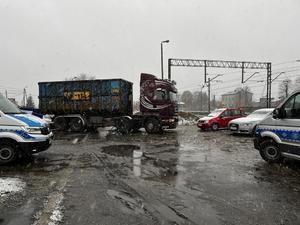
247	125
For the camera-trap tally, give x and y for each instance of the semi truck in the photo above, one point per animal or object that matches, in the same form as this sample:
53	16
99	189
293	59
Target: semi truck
80	104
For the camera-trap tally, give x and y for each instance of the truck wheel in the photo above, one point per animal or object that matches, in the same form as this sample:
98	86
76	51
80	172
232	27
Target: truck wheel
8	153
124	125
152	126
76	125
215	127
270	152
60	123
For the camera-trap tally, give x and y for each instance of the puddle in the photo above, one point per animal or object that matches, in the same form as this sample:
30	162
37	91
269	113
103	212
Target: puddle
120	150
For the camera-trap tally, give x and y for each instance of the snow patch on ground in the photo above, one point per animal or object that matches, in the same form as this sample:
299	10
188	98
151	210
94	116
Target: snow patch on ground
57	214
185	122
56	217
10	186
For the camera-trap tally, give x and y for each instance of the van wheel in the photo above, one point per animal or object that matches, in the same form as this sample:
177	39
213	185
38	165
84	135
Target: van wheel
60	123
76	125
215	127
270	151
152	126
8	153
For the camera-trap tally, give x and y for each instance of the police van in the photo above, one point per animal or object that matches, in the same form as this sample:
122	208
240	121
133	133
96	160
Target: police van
278	136
20	133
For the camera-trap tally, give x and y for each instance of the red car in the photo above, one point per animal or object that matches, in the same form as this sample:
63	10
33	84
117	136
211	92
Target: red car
219	118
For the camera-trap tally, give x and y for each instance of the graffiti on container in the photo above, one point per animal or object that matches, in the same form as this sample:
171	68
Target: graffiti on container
115	90
77	95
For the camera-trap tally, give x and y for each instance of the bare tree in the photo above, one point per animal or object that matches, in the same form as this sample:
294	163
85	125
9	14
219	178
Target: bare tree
297	83
187	98
81	76
30	102
285	88
199	102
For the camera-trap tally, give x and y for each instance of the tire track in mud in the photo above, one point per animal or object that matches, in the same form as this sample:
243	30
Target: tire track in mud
51	213
153	207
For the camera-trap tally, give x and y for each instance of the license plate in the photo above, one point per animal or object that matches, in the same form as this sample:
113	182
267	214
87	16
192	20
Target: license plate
233	128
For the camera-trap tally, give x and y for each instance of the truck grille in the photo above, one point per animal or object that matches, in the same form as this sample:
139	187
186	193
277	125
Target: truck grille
176	108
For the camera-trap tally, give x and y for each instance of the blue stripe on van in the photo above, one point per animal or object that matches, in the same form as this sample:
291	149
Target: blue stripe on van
285	135
28	121
21	133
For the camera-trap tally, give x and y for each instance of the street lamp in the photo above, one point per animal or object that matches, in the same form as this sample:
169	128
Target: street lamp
162	57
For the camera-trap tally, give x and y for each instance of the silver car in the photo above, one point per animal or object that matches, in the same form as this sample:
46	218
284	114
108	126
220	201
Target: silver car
247	125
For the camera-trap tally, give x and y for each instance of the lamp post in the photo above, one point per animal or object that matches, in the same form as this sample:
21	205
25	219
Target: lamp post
162	57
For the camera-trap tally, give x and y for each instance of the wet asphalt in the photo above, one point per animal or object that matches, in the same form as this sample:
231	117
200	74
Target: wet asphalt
183	176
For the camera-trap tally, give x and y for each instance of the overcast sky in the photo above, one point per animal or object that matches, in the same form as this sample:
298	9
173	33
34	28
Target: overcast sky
47	40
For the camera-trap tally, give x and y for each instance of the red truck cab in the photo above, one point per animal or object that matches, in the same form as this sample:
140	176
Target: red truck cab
219	118
158	103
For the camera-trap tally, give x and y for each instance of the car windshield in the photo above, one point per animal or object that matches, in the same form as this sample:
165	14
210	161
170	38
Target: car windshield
260	113
7	106
173	96
215	113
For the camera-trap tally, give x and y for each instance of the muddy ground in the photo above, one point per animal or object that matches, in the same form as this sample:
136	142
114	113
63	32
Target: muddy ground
180	177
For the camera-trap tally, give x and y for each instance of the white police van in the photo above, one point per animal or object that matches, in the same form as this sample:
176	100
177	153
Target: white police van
20	133
278	136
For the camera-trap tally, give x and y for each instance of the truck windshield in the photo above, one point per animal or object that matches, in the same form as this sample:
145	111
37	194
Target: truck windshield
173	96
7	106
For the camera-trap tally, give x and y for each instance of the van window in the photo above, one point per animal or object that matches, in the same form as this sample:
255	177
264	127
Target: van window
292	107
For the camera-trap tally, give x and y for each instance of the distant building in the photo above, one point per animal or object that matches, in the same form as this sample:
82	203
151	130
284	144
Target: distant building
263	103
237	98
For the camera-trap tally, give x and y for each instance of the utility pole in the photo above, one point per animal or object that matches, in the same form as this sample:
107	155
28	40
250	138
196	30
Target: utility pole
6	93
201	97
214	101
286	84
208	87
